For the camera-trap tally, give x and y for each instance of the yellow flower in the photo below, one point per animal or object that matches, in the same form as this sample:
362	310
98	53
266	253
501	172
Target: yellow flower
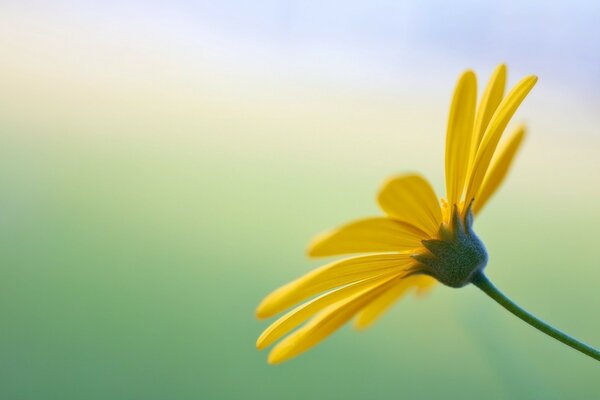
419	241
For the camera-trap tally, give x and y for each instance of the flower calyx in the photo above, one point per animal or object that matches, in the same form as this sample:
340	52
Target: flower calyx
456	256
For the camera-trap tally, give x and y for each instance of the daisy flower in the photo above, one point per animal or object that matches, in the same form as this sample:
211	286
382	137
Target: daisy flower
421	239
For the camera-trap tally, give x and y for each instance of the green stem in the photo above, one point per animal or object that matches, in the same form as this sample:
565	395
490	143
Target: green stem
483	283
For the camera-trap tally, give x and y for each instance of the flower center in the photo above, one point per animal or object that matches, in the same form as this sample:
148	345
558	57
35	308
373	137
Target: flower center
456	256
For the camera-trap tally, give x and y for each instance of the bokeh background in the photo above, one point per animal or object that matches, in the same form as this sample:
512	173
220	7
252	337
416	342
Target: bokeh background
164	164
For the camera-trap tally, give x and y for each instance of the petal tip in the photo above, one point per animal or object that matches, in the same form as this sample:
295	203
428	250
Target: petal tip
263	310
260	342
532	79
316	245
312	250
468	77
500	74
276	357
360	325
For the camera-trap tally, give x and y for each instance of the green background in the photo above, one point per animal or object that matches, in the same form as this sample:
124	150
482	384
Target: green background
144	216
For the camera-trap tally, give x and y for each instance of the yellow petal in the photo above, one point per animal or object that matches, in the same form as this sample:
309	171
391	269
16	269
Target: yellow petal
492	96
330	276
379	234
458	137
494	131
411	199
372	311
301	313
498	170
325	323
425	284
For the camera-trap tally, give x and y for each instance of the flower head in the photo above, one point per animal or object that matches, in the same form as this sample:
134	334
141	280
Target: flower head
420	240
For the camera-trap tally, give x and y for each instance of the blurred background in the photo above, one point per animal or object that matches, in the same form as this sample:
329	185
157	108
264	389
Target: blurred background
164	164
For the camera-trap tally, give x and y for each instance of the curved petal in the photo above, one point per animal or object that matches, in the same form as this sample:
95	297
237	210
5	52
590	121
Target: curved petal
330	276
458	136
325	323
375	309
498	170
303	312
491	98
494	131
411	199
379	234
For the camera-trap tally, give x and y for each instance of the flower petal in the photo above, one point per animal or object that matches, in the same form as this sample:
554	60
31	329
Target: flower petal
379	234
498	170
330	276
303	312
326	322
492	96
375	309
459	133
410	198
494	131
426	284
